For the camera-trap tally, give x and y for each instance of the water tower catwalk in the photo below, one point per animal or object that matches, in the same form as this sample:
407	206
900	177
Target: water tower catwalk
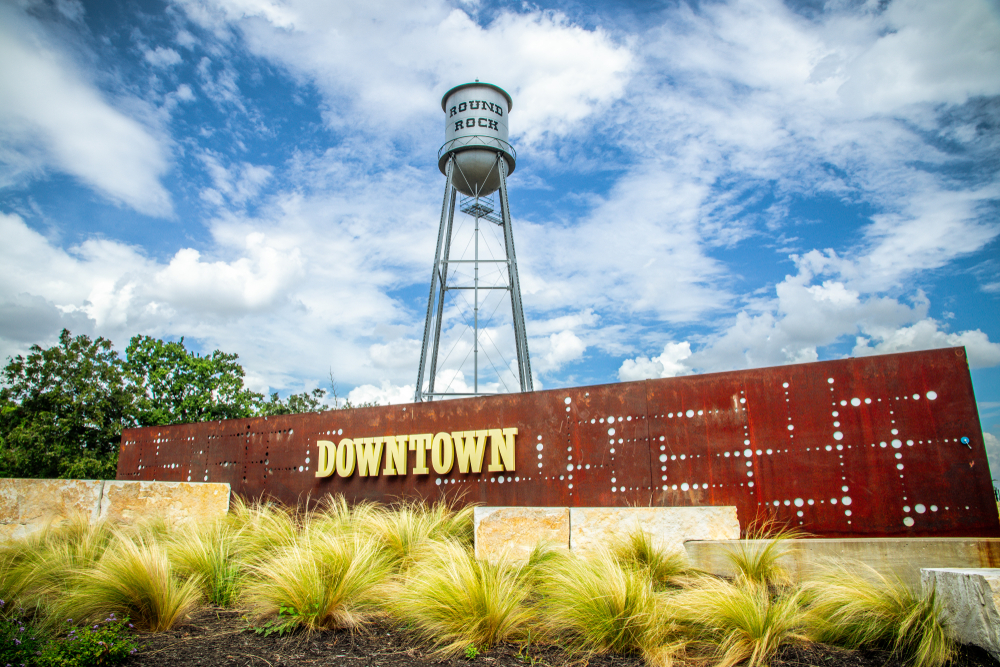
476	160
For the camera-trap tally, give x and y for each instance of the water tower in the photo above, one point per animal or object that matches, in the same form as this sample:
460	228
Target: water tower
475	160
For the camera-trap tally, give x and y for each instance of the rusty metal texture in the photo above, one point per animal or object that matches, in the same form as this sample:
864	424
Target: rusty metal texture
857	447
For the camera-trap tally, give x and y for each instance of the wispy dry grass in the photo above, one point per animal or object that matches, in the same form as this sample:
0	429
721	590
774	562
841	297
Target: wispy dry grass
665	569
457	601
132	578
596	603
318	581
207	552
854	606
756	556
411	528
37	570
740	621
262	528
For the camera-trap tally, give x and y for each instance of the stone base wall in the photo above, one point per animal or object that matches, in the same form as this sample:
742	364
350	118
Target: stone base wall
29	505
901	557
971	600
669	527
510	533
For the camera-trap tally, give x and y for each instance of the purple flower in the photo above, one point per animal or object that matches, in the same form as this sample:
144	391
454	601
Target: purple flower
130	625
17	641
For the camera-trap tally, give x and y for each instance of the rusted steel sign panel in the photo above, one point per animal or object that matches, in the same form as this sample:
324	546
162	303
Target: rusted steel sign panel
877	446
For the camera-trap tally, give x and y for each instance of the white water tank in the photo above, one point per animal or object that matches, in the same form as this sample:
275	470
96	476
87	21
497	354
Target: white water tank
475	132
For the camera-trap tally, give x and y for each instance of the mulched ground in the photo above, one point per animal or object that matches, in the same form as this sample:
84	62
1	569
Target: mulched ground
221	638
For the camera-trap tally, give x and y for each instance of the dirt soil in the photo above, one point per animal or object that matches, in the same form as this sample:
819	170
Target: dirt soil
221	638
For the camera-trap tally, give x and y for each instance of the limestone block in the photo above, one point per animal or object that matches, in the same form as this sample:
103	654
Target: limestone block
510	533
175	502
891	556
971	599
28	505
669	527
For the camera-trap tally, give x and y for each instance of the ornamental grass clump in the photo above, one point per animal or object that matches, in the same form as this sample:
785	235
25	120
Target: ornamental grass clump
756	557
854	606
448	523
665	569
457	601
263	528
18	574
408	529
36	570
207	553
597	603
133	578
740	621
317	582
334	516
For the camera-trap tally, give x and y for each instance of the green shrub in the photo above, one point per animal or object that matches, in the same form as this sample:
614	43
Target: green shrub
106	643
134	578
457	601
319	581
853	606
20	640
740	621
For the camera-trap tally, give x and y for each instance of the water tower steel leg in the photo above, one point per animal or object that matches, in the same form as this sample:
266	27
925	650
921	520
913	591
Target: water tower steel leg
443	287
448	195
520	335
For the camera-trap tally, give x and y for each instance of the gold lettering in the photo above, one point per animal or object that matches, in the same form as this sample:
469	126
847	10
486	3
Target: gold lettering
507	451
345	458
501	449
326	463
470	446
442	454
420	443
395	455
369	455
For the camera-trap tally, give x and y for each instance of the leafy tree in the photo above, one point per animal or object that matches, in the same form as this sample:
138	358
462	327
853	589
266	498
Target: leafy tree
294	404
62	410
175	386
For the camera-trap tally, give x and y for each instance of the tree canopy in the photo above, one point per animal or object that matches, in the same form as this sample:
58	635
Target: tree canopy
62	409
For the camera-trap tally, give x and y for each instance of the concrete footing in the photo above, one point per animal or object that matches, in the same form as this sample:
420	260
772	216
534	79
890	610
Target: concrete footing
28	505
902	557
512	532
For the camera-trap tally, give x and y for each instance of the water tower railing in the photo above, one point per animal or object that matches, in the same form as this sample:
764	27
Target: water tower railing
476	141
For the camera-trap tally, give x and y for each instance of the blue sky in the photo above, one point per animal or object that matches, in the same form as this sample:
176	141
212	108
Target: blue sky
701	186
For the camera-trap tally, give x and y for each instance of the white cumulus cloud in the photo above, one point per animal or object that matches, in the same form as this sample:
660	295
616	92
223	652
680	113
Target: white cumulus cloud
52	117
